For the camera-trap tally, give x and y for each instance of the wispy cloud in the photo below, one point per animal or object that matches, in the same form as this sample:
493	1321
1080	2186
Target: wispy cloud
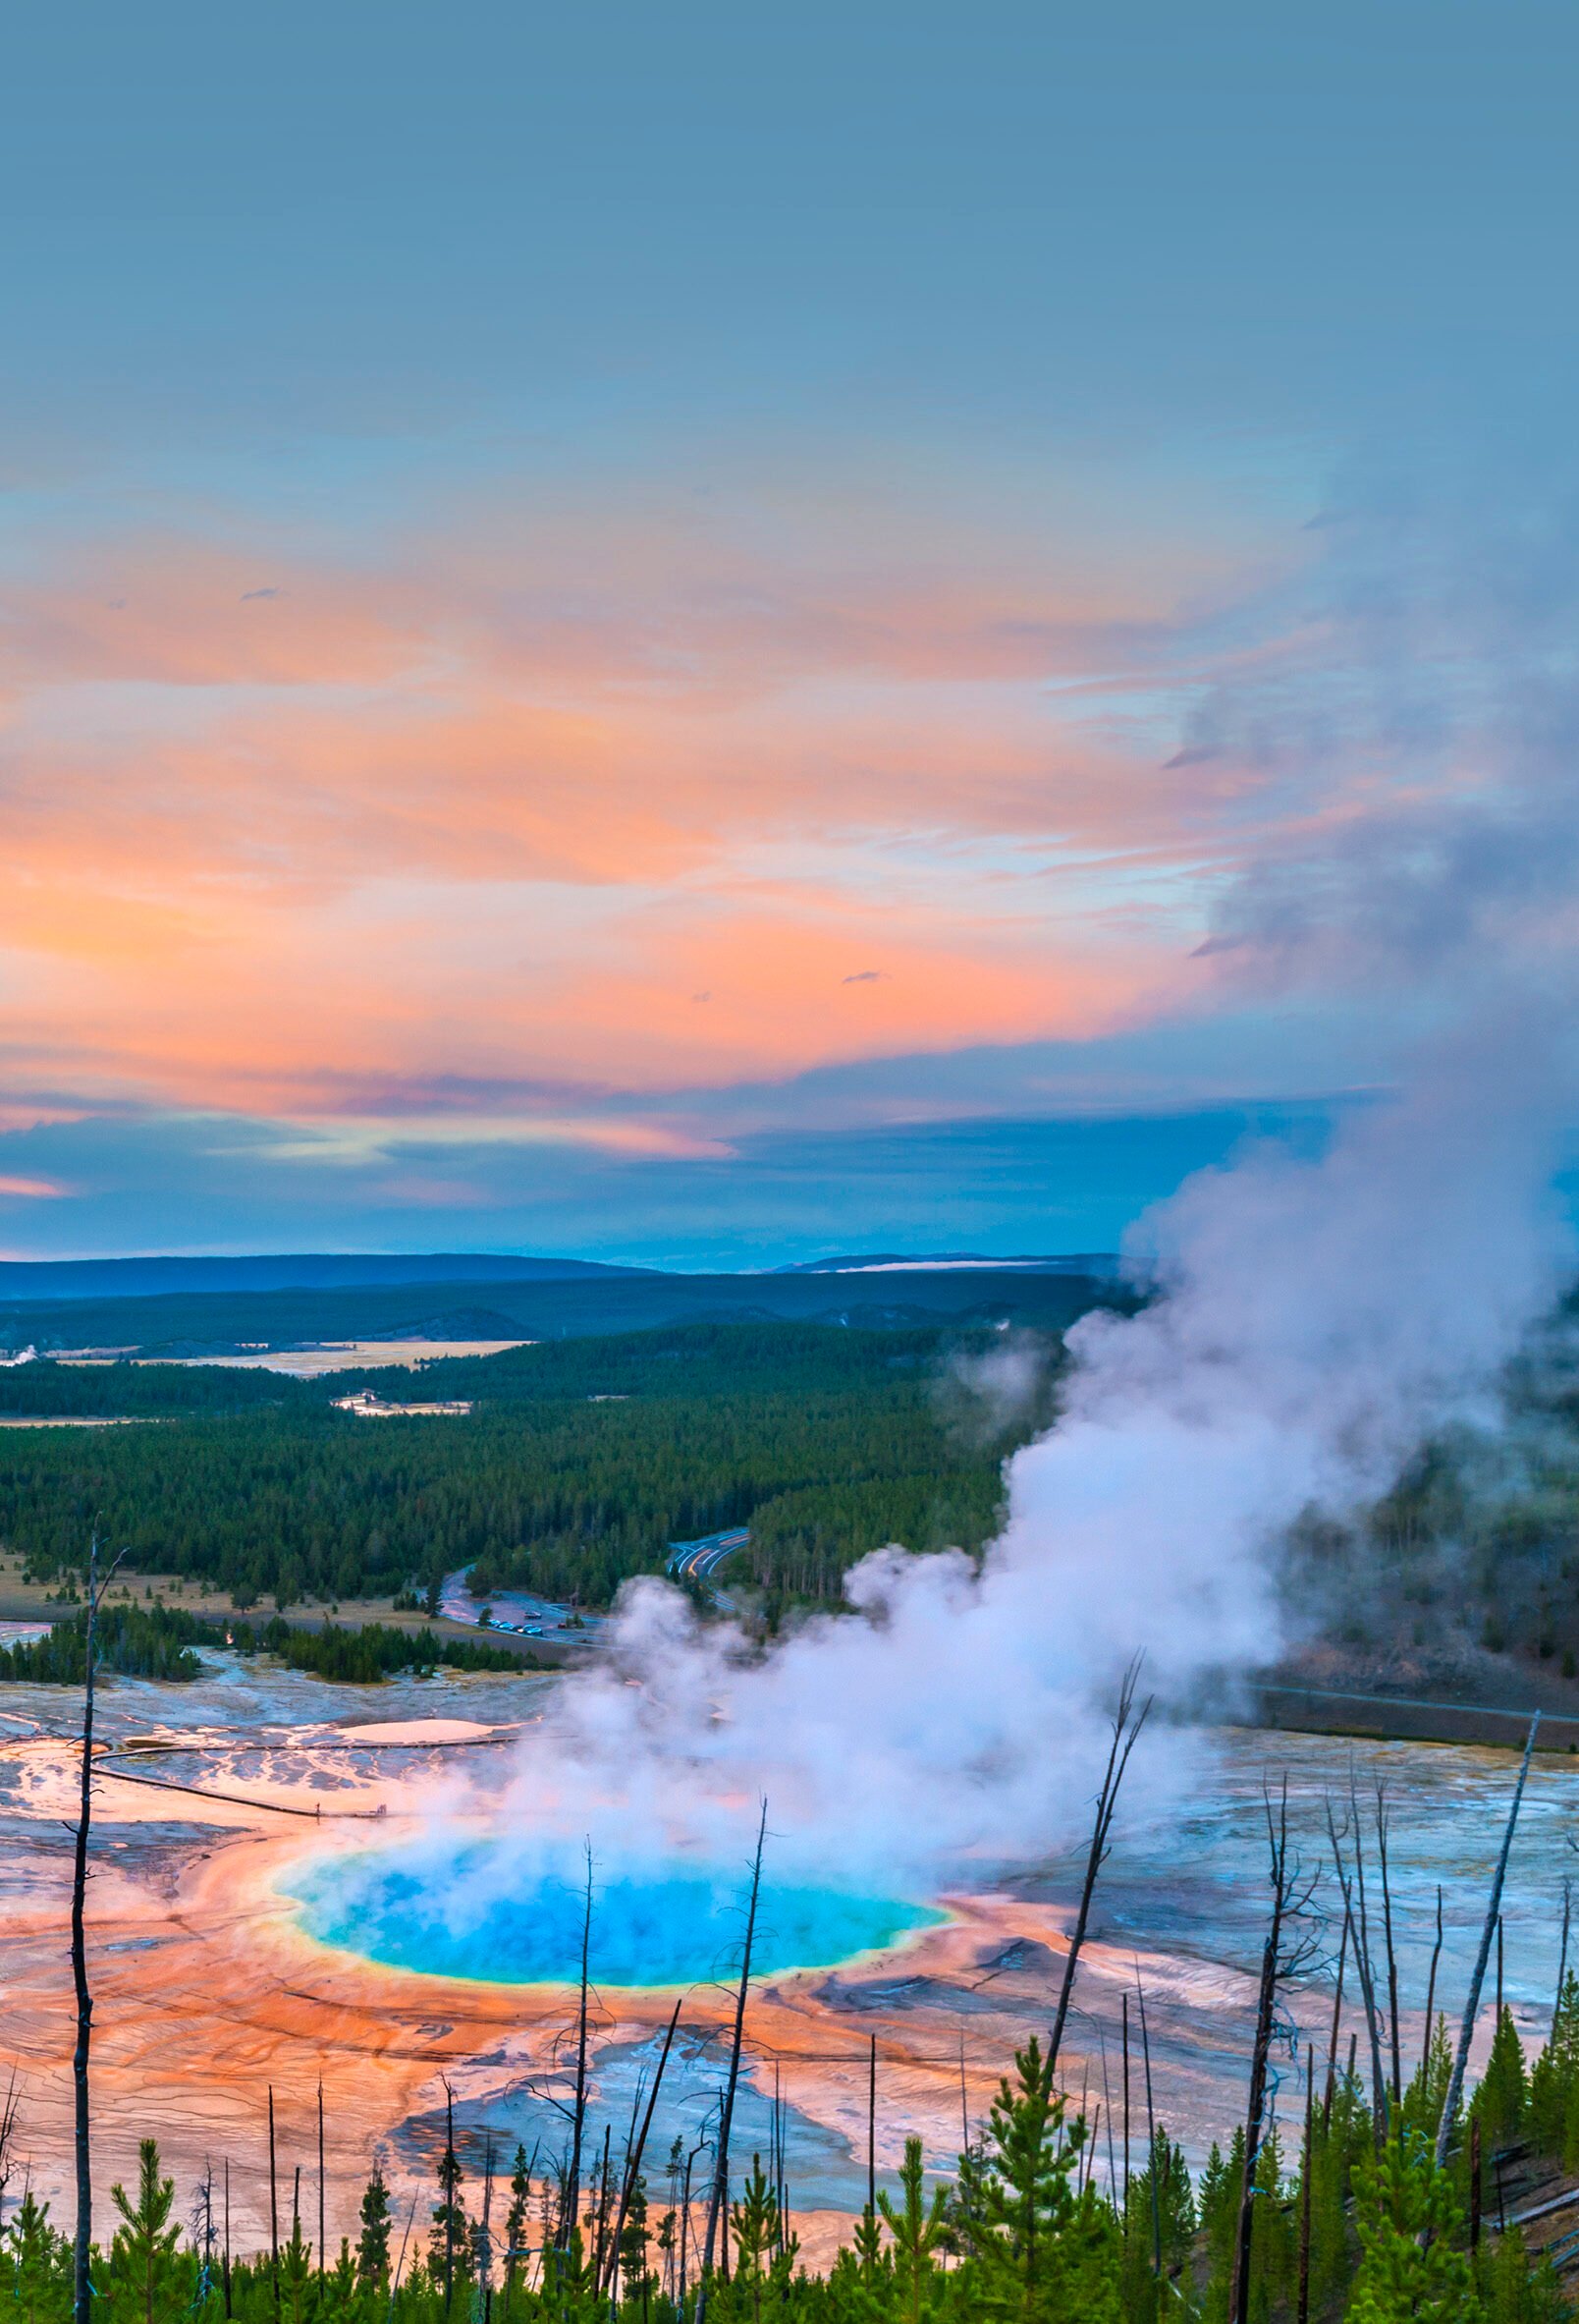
620	802
503	803
361	1142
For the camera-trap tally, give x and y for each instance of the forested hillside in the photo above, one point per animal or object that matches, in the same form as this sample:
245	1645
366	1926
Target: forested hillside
153	1391
191	1322
580	1462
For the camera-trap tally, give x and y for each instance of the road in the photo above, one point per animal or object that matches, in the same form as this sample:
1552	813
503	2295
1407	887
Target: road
17	1607
517	1614
699	1560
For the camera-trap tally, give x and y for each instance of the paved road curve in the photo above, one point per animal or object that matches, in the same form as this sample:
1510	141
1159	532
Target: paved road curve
699	1560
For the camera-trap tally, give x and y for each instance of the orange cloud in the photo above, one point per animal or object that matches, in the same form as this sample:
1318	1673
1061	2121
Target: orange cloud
280	830
162	611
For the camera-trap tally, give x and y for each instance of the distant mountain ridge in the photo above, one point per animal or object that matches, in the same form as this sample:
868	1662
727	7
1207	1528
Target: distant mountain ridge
148	1278
23	1280
1102	1266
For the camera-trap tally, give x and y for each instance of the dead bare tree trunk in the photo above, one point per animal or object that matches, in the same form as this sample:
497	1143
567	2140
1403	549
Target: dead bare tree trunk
1431	1990
1280	1961
448	2197
721	2176
274	2209
1337	2022
1302	2309
1123	2002
1562	1951
686	2223
9	2107
634	2165
871	2134
1126	1725
1387	1934
82	2288
1265	2005
571	2209
1380	2113
600	2240
485	2239
1493	1912
1380	2088
399	2263
1151	2138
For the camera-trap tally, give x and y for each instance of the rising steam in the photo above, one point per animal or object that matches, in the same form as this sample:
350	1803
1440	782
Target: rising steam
1316	1319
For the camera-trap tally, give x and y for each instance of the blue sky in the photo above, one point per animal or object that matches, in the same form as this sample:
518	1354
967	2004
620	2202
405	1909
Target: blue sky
717	635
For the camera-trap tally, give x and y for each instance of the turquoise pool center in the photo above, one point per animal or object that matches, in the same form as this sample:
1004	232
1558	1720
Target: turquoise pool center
470	1914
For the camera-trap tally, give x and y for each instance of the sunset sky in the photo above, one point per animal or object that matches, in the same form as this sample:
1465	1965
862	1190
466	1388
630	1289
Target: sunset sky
709	634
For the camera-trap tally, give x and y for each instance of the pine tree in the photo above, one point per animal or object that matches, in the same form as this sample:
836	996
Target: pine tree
450	2239
1219	2208
634	2279
867	2244
1165	2232
1172	2226
516	2222
1502	2099
148	2283
917	2229
39	2264
1036	2247
754	2228
1555	2076
1515	2290
1408	2225
859	2291
297	2301
668	2243
342	2295
1274	2242
1340	2137
372	2245
1427	2093
1570	2129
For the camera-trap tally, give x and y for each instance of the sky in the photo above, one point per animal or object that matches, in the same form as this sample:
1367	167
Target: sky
709	635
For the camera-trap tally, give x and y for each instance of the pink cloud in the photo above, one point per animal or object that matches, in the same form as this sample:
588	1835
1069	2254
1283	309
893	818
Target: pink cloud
503	806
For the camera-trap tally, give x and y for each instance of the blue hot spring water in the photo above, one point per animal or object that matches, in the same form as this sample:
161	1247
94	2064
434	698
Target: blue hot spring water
472	1912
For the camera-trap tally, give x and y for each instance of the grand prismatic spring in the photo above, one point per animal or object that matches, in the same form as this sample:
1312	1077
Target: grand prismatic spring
459	1911
295	1916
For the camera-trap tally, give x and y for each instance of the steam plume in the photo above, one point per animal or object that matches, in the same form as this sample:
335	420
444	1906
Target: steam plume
1317	1319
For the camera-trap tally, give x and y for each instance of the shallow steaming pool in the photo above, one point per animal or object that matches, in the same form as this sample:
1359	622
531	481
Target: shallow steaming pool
474	1912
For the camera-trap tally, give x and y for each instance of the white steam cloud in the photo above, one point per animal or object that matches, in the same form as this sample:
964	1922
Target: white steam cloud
1317	1319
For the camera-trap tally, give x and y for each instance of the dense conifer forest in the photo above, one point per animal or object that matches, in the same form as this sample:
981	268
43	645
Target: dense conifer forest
580	1462
582	1459
157	1642
197	1322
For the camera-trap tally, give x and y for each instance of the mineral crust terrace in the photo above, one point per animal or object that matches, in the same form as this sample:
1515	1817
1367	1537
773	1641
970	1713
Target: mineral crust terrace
207	1993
